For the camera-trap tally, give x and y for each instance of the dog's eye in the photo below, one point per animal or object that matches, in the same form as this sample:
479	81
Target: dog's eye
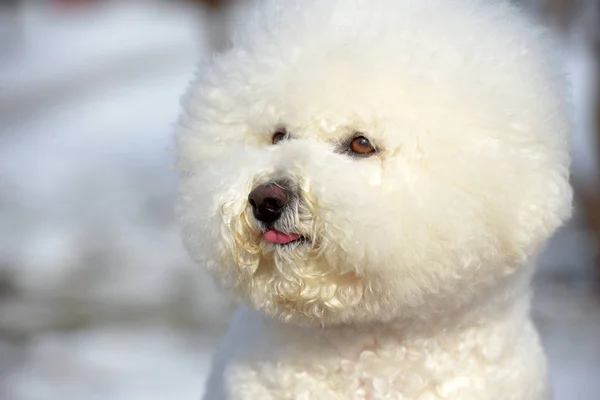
279	136
362	146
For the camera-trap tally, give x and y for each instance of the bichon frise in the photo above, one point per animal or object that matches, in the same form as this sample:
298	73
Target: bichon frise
374	179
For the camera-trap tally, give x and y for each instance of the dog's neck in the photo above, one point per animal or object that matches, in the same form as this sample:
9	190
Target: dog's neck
508	316
505	308
509	298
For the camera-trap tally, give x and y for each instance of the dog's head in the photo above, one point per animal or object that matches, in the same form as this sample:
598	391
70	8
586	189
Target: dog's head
352	160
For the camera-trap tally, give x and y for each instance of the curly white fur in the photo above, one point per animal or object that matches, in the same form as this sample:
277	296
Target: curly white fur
412	281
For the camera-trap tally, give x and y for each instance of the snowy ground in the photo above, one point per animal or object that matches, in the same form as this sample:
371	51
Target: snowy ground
97	298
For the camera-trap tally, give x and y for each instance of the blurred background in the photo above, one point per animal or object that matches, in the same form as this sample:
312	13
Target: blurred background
98	299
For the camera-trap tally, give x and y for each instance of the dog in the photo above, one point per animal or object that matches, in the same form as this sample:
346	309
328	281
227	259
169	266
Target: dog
373	181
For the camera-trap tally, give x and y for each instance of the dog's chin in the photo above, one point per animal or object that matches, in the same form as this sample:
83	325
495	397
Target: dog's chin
291	275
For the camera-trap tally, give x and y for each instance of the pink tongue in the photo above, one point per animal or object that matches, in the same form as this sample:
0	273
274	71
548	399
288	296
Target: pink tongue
274	236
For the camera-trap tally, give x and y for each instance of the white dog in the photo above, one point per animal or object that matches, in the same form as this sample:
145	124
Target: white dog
374	179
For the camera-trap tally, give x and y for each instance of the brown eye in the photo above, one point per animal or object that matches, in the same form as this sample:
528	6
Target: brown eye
279	136
361	145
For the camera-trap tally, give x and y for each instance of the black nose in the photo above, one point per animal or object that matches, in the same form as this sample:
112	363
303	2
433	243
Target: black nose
268	201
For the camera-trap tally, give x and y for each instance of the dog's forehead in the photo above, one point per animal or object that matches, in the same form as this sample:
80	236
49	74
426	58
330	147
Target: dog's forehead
343	92
418	69
326	70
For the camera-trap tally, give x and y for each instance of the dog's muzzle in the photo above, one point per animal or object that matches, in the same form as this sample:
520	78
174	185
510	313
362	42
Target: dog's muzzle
268	201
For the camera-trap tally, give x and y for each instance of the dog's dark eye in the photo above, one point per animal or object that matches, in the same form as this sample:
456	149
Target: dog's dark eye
362	146
279	136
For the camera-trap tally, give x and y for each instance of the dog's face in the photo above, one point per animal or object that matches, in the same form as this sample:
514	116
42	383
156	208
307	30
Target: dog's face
332	174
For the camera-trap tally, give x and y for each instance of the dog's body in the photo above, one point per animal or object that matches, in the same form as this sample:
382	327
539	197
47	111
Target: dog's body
375	179
499	358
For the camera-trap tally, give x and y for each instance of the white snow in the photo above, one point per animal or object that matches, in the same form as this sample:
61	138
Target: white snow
104	303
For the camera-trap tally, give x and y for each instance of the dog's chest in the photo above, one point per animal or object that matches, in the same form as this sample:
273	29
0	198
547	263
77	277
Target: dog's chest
292	363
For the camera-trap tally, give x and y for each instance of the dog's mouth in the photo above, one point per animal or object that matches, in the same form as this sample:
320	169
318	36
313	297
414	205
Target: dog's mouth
282	238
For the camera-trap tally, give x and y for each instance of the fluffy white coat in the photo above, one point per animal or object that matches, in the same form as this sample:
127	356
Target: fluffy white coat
412	281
